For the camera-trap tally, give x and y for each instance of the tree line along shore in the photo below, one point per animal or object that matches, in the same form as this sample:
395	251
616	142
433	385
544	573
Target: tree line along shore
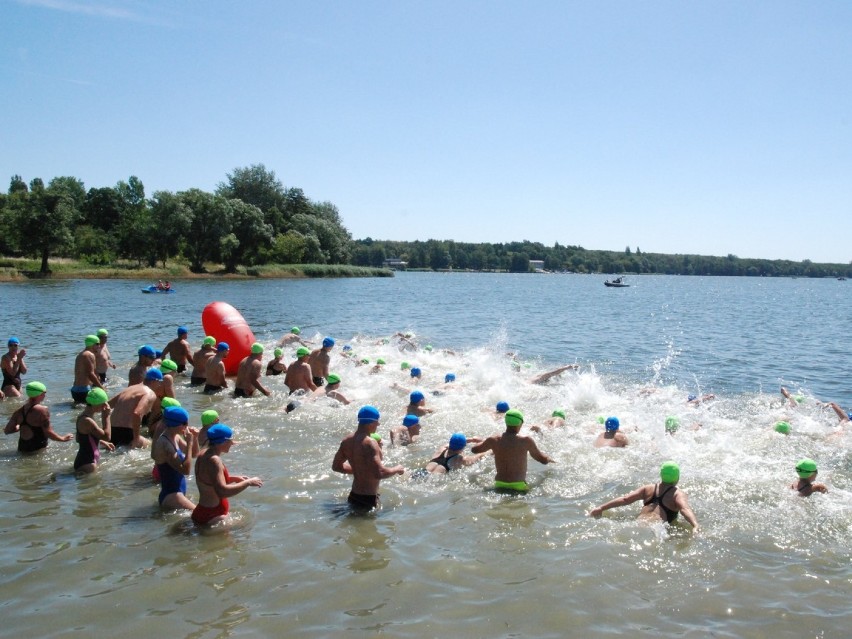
252	226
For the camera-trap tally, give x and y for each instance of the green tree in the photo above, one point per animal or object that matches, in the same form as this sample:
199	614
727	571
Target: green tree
251	236
171	221
259	187
210	221
44	219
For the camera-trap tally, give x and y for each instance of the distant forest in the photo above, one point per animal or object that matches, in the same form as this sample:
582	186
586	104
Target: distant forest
251	219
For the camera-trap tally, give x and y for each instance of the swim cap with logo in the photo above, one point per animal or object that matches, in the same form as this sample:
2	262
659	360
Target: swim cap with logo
34	389
449	377
256	348
333	378
672	424
404	365
302	352
219	434
209	417
102	332
410	420
183	330
416	372
327	342
368	414
277	352
669	472
175	416
782	427
295	330
168	365
209	341
502	407
169	402
153	375
805	468
221	347
416	397
91	340
458	441
96	397
558	413
146	351
514	418
612	423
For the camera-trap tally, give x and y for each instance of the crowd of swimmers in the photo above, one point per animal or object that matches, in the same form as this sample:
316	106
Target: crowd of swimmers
177	448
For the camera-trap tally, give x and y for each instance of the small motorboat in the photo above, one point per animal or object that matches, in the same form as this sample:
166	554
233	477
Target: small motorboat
156	289
618	282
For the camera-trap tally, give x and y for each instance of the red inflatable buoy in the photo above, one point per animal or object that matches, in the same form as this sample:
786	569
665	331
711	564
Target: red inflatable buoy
226	324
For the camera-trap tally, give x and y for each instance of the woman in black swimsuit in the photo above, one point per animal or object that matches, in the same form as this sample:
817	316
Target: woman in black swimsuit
661	501
32	421
451	457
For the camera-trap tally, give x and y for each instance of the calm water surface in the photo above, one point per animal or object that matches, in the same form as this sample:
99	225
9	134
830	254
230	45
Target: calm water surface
449	557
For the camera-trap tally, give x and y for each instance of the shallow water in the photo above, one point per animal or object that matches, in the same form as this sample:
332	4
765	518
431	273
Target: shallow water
449	557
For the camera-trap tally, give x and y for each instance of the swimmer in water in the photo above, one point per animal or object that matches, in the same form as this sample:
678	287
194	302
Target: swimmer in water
319	360
360	455
147	357
32	421
85	366
179	350
293	337
499	411
172	451
277	365
208	419
131	406
103	359
299	375
91	436
417	405
215	485
331	390
510	454
546	377
660	502
200	359
451	457
806	469
214	371
406	434
13	366
248	373
611	437
556	420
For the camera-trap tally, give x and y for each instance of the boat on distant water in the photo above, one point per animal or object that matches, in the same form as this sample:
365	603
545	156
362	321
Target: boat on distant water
156	289
618	282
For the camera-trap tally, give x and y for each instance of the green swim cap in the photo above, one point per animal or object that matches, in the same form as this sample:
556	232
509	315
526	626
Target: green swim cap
256	348
169	402
295	330
377	437
380	361
558	413
277	352
209	341
302	352
669	472
405	365
601	419
799	398
514	418
168	366
672	424
333	379
102	332
365	360
805	468
782	427
34	389
428	347
209	417
96	397
91	340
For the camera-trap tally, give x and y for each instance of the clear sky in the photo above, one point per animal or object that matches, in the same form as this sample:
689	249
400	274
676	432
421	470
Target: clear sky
675	127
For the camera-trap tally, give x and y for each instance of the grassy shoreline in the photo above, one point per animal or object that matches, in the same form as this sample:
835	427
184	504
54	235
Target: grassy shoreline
21	270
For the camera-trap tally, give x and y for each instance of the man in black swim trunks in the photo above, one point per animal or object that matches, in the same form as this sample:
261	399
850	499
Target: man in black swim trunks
661	502
360	455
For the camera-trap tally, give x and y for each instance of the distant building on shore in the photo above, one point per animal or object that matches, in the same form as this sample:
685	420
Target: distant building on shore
394	263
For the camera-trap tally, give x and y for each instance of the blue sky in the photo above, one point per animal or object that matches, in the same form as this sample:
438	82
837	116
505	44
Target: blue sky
676	127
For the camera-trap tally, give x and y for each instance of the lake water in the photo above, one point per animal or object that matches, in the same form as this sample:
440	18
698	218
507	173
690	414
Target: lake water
450	557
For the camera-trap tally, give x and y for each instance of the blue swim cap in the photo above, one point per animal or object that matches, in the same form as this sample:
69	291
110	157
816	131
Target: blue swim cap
147	351
182	330
222	346
415	372
416	397
410	420
691	397
175	416
458	441
158	354
13	340
347	347
502	407
219	434
450	377
327	342
368	414
612	423
154	374
849	415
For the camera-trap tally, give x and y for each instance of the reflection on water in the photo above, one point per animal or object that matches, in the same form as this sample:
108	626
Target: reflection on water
451	556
